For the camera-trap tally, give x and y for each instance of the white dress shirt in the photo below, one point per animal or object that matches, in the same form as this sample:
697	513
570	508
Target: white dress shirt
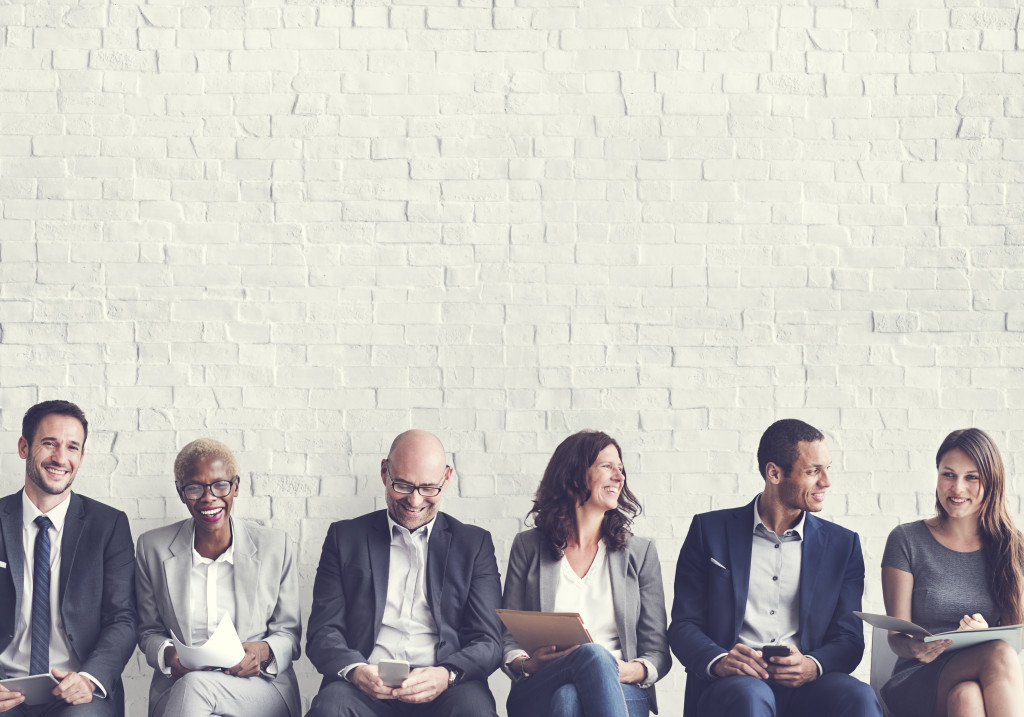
15	659
407	630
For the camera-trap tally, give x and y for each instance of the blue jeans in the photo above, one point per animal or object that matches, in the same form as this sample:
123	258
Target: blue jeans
584	683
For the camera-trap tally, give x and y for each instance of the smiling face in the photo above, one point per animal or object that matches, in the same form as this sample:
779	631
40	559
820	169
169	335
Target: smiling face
416	459
53	457
959	490
605	479
805	486
210	512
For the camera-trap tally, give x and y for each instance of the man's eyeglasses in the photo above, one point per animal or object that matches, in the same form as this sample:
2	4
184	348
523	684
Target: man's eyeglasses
427	491
218	489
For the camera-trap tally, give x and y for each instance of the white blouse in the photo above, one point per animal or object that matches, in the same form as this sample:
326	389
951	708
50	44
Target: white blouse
591	597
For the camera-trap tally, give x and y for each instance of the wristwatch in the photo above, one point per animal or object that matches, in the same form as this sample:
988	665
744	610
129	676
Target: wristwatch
453	675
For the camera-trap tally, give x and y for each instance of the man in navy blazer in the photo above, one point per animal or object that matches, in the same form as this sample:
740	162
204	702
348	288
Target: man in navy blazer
411	584
87	616
770	576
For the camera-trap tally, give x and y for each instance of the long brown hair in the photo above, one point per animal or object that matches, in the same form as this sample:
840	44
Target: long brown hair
564	487
1003	543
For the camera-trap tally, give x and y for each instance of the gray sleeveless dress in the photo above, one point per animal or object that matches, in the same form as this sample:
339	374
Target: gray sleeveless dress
947	585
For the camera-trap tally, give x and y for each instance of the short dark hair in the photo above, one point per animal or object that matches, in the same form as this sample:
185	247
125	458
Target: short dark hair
779	444
38	412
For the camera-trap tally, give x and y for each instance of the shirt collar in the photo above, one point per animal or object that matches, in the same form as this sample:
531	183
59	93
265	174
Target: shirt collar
228	556
57	514
797	529
401	528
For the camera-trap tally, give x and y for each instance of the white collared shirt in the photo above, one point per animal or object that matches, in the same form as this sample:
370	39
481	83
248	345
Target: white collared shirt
211	592
16	658
407	630
772	615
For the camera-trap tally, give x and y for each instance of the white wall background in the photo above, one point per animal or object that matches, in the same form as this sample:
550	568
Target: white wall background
303	227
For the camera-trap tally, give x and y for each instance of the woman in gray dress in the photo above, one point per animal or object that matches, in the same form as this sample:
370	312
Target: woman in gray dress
961	570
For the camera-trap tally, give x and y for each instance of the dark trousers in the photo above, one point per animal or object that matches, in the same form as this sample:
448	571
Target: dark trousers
835	694
343	699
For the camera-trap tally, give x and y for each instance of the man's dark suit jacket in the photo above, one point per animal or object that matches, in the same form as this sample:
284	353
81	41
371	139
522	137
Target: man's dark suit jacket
351	588
97	585
707	612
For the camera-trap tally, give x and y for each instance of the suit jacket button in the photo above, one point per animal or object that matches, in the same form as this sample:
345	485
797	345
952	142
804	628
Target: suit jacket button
440	644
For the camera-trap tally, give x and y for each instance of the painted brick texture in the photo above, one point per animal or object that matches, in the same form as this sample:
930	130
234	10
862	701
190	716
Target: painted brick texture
302	228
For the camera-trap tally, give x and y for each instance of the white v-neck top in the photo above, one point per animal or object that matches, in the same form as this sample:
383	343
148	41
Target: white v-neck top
591	597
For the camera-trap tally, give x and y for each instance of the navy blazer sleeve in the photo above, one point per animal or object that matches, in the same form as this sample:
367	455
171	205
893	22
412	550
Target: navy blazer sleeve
696	593
840	646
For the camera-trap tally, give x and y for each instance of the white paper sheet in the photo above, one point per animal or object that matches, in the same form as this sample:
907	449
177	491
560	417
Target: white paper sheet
223	649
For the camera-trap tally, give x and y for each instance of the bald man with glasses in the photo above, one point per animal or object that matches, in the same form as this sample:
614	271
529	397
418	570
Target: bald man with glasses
412	584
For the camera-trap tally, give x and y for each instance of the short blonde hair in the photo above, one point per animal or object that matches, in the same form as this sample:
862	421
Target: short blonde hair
199	450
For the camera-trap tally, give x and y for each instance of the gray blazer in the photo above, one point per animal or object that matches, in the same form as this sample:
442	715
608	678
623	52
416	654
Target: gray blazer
266	597
637	596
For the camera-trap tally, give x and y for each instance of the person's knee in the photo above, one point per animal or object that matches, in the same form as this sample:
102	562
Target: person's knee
738	696
469	699
336	699
95	708
565	702
860	699
965	699
592	653
999	661
196	684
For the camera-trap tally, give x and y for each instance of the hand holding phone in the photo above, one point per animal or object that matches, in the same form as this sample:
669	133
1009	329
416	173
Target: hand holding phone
769	651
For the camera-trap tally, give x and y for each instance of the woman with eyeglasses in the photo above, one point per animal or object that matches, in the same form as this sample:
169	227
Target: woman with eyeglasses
960	570
582	557
191	575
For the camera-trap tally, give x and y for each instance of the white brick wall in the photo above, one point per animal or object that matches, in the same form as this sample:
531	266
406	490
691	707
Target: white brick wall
303	228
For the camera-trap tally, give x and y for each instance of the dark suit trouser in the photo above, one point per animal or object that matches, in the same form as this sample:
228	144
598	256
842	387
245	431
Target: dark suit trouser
343	699
835	694
96	708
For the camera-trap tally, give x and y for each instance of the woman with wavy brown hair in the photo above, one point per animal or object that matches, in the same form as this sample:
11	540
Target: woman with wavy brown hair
581	557
961	570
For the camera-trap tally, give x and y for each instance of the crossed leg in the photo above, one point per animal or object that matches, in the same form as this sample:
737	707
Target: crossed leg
981	681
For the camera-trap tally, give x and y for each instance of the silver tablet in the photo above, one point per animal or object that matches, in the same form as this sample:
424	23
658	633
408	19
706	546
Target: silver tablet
38	689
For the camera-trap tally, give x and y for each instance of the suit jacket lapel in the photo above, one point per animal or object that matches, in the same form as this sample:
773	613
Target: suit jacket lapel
548	579
247	570
437	565
378	545
178	579
10	524
73	525
815	545
740	547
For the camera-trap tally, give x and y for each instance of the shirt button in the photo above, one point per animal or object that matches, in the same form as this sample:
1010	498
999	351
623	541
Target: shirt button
775	577
776	545
771	612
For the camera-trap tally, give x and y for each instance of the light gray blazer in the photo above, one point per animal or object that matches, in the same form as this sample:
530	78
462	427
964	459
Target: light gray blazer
266	597
637	595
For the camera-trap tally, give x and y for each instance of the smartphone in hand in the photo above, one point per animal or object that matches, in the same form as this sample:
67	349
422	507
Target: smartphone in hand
393	672
768	651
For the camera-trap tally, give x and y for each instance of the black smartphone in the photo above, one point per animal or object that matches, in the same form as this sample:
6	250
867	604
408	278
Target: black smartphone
774	651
